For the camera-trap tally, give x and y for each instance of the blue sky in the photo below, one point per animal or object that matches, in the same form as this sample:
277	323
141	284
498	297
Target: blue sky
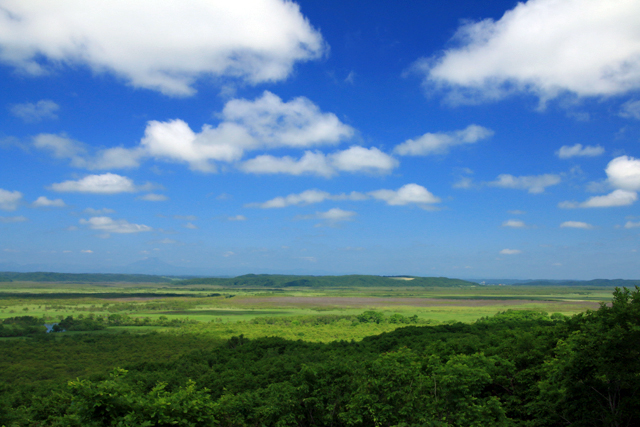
473	139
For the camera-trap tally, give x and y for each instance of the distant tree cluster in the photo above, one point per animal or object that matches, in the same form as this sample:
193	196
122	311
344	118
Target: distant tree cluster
21	326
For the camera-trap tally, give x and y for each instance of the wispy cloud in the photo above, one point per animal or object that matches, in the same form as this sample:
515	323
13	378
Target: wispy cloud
631	109
109	225
510	252
152	197
514	223
613	199
43	202
534	184
307	197
32	113
107	183
331	217
441	143
10	219
576	224
577	150
9	200
354	160
405	195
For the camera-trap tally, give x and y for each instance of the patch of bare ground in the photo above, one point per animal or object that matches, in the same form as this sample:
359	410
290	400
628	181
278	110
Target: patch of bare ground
291	301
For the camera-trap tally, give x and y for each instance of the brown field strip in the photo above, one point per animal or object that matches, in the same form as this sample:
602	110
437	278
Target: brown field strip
321	301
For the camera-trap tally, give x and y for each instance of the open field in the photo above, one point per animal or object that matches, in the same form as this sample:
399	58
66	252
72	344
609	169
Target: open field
211	309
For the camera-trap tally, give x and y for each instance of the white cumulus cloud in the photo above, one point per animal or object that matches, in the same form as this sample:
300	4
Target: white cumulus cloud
576	224
354	159
613	199
9	200
577	150
533	184
43	202
33	113
109	225
440	143
311	163
162	46
264	123
107	183
624	172
360	159
544	47
407	194
298	123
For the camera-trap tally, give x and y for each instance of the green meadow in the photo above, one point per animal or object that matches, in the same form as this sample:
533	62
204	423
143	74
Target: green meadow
288	313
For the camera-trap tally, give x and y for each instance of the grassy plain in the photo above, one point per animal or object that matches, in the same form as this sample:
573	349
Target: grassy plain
217	305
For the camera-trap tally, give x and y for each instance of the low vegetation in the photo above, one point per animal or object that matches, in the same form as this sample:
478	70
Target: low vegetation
244	355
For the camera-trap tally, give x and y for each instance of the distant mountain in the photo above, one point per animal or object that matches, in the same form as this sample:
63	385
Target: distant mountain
150	266
81	278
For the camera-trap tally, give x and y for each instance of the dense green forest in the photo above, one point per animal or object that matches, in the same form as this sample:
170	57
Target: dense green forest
349	281
517	368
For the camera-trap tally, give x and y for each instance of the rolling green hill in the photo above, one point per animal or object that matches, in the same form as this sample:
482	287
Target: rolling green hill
350	281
